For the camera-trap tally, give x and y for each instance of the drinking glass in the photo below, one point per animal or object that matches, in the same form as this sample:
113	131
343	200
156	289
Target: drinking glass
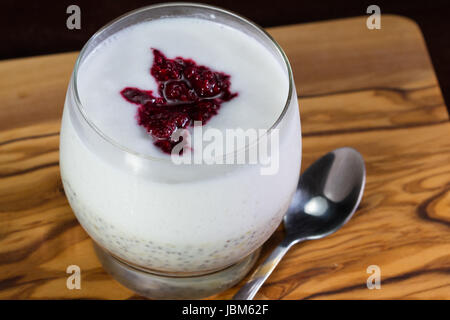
167	230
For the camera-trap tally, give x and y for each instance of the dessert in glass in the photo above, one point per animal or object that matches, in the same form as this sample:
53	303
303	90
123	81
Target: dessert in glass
163	228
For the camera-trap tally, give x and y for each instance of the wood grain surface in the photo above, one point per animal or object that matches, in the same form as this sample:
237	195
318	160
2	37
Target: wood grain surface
374	90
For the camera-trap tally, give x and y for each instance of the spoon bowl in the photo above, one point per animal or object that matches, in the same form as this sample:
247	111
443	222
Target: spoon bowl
328	194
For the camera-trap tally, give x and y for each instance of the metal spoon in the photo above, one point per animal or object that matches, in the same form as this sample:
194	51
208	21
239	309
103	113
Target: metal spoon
327	195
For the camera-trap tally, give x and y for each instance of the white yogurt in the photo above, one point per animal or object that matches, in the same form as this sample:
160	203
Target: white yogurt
194	225
125	59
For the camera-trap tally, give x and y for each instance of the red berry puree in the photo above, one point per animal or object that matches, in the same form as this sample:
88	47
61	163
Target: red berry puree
187	92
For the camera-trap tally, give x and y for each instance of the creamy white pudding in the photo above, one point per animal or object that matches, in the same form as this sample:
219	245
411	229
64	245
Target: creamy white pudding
148	211
125	59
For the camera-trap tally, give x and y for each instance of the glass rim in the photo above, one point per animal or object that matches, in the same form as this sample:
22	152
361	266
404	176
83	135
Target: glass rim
118	145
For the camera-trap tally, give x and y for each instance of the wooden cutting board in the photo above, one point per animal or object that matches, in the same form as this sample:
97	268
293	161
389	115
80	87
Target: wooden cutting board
374	90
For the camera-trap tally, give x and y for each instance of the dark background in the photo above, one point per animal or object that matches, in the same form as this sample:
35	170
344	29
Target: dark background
31	28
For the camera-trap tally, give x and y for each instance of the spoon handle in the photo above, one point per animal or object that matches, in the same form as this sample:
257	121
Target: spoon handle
249	290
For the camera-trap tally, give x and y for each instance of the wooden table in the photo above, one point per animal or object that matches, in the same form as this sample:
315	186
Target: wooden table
374	90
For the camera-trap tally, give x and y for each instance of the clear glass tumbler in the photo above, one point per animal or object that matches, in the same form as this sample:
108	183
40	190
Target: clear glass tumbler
206	238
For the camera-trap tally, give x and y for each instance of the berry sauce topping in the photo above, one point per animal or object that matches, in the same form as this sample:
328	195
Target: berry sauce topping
187	92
